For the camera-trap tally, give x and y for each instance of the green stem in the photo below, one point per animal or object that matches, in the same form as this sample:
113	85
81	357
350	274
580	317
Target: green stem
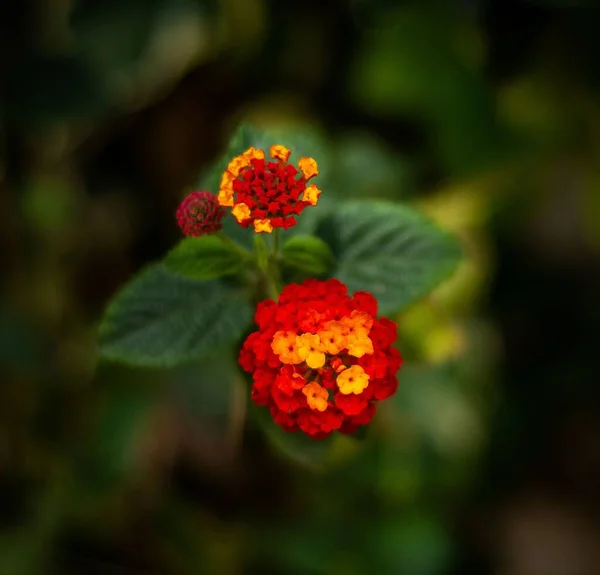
271	286
267	265
262	257
276	241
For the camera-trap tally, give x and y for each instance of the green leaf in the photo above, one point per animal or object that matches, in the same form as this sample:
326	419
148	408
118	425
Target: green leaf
206	257
389	250
423	61
161	319
308	253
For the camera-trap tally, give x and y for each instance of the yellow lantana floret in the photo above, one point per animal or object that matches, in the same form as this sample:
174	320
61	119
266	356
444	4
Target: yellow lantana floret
352	380
311	195
332	336
311	350
241	212
225	198
359	344
263	226
308	167
285	347
279	152
316	396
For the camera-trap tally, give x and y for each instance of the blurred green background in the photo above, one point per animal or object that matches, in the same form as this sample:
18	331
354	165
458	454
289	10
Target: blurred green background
483	113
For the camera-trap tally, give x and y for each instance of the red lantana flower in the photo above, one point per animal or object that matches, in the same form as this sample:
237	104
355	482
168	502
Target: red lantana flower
268	194
200	214
320	359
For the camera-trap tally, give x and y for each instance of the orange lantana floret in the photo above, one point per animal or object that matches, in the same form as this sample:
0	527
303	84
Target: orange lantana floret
279	152
309	167
285	347
333	337
263	225
311	195
316	396
241	212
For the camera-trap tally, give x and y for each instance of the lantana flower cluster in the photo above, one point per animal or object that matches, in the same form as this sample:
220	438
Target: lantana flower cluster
268	194
320	359
200	214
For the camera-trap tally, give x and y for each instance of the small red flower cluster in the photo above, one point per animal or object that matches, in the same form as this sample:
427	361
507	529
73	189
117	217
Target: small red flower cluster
268	194
200	214
320	359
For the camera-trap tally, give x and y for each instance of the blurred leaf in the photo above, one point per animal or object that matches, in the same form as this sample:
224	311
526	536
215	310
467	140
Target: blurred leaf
160	319
364	167
207	389
416	545
51	88
298	447
114	449
205	257
389	250
151	42
21	348
421	62
309	254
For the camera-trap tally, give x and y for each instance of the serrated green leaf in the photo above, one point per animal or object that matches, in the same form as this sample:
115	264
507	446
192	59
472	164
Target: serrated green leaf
161	319
389	250
308	253
205	257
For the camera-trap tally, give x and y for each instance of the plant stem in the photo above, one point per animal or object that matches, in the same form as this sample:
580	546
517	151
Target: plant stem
262	256
276	241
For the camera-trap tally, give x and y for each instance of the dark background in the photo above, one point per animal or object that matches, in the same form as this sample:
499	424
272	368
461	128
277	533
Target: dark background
484	114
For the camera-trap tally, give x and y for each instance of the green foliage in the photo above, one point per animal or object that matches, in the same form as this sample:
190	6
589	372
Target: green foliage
297	447
112	453
206	257
206	390
420	62
70	91
309	254
389	250
161	319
